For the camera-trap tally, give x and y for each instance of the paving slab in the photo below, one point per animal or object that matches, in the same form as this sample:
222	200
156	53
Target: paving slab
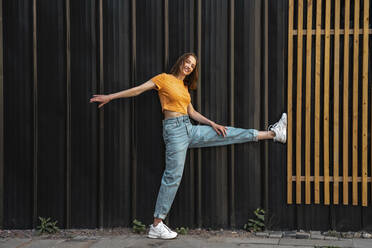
14	242
262	234
256	246
117	242
263	241
75	243
362	243
43	243
293	246
311	242
277	235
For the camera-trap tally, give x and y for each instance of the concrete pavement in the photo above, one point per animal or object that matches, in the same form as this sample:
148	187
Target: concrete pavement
183	241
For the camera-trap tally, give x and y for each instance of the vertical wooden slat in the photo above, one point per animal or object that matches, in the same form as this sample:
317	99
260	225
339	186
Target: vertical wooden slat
290	106
355	102
326	102
317	100
101	121
68	117
308	101
336	100
365	104
35	114
299	100
345	150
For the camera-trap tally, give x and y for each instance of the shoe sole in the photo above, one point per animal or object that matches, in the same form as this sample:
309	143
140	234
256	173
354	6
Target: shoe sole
156	237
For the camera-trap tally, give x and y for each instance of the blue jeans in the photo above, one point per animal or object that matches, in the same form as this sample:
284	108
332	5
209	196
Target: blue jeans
179	134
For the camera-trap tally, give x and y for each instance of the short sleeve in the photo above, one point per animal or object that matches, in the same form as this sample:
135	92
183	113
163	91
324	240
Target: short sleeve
159	80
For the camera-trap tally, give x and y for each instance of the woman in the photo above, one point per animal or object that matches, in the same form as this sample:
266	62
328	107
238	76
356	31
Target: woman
179	134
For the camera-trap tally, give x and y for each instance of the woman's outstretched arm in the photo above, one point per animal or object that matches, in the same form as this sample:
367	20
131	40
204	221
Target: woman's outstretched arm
135	91
195	115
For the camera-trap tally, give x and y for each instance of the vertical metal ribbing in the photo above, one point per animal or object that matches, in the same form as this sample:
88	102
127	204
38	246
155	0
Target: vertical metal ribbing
166	49
192	36
266	106
1	121
35	115
290	103
101	121
232	116
199	176
166	34
68	117
133	115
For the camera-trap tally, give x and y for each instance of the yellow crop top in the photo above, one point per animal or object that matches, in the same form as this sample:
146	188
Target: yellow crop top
173	93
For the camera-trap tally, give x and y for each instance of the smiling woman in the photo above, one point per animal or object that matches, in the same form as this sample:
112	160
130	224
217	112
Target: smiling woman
179	134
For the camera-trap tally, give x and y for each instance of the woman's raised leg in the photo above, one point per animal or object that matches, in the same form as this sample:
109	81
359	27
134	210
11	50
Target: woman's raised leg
204	136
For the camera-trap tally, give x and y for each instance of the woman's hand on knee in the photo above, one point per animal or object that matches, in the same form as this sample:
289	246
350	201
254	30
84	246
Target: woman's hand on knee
220	130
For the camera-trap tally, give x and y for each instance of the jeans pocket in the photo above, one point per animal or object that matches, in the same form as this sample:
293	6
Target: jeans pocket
168	128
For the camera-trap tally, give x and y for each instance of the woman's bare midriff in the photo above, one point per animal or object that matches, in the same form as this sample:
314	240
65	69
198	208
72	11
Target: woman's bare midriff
171	114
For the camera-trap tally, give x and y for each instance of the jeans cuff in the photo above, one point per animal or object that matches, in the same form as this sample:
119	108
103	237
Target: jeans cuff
160	216
255	135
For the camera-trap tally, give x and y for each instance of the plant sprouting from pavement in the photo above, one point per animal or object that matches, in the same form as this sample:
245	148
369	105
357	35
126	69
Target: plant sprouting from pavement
47	226
138	227
182	230
257	224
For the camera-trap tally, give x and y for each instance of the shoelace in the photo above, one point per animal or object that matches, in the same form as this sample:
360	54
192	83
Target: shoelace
167	228
163	227
273	126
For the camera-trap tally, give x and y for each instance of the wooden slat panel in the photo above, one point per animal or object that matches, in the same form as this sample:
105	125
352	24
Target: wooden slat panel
326	102
336	100
365	104
289	111
355	102
317	101
299	100
332	31
332	179
308	102
345	142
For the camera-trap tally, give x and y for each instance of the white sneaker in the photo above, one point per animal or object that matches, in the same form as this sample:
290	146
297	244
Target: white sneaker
280	129
161	231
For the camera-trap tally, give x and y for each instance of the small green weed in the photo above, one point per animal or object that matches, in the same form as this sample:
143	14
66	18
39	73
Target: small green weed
333	233
138	227
182	230
47	226
257	224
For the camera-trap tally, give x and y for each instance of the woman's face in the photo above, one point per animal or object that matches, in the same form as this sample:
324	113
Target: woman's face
188	65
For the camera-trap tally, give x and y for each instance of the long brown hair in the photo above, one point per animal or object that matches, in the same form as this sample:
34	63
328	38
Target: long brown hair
191	79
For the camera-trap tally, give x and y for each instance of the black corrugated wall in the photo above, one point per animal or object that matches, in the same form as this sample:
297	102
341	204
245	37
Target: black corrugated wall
65	159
